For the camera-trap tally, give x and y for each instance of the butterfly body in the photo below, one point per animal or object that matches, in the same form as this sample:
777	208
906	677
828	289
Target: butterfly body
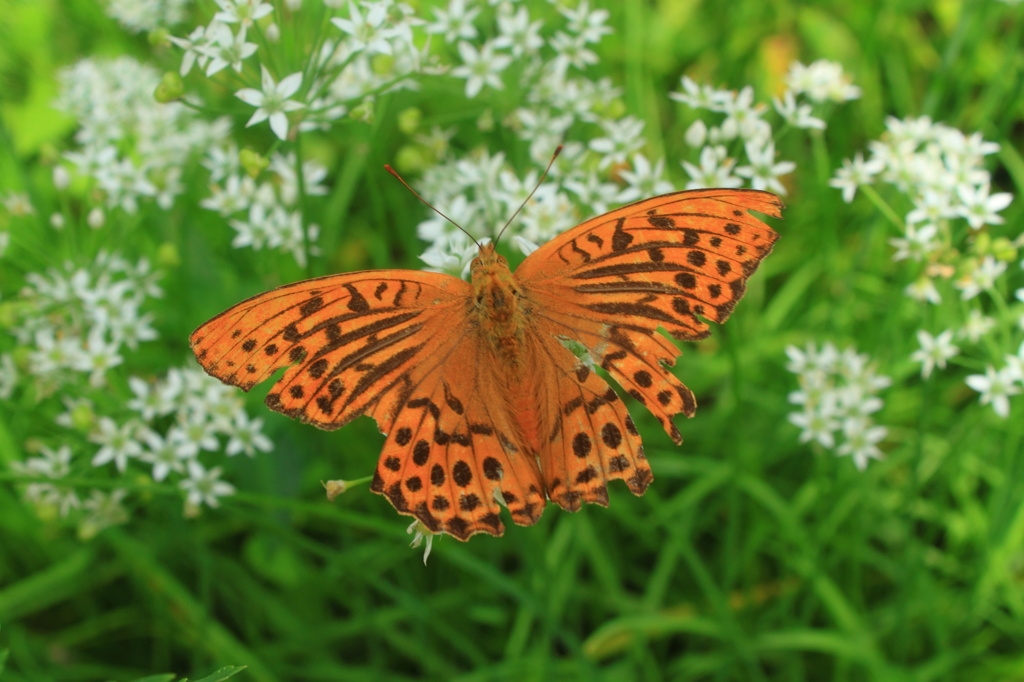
499	304
482	404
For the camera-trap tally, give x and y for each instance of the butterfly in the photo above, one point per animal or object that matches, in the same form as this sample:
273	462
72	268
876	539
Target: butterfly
475	384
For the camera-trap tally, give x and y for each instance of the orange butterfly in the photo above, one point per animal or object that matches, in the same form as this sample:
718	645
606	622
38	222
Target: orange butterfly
482	403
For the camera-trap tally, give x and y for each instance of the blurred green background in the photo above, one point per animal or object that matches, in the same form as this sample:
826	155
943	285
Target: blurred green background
752	557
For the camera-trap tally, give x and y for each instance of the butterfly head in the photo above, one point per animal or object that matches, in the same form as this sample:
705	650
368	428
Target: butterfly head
495	291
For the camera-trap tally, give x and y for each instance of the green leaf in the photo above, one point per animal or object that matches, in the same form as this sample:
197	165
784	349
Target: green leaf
222	674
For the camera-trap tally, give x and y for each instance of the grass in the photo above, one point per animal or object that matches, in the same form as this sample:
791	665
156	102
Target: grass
752	557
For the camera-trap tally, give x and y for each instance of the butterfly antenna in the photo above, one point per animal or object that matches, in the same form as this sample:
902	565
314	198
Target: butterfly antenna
391	170
558	150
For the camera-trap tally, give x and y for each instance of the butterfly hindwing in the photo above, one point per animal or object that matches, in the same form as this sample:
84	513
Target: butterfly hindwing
454	457
588	437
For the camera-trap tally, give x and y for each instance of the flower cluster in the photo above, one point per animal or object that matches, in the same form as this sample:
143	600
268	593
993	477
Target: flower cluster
131	148
744	127
264	211
836	400
80	321
73	330
146	15
168	423
948	238
482	191
941	172
370	51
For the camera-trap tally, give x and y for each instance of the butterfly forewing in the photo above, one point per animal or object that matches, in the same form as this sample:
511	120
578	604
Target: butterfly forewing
352	344
672	262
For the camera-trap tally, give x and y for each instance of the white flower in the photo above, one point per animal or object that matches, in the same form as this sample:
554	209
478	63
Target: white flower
995	387
931	206
193	47
246	436
854	174
273	101
237	194
124	183
96	218
51	464
98	356
53	353
763	170
118	443
861	437
192	435
797	115
815	425
837	393
715	169
525	246
543	129
812	359
923	289
919	243
821	81
225	48
457	22
571	50
18	204
103	510
587	23
421	533
146	15
592	191
981	278
743	118
243	12
480	68
452	254
934	351
165	454
622	137
696	134
978	325
980	208
517	33
1015	364
549	213
368	33
644	180
147	402
204	486
700	96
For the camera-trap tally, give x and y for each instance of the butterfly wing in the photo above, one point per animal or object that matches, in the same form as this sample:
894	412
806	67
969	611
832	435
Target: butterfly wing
397	346
351	344
586	436
456	455
667	262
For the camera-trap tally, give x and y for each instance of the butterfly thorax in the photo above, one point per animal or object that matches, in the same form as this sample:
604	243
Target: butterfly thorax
497	298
